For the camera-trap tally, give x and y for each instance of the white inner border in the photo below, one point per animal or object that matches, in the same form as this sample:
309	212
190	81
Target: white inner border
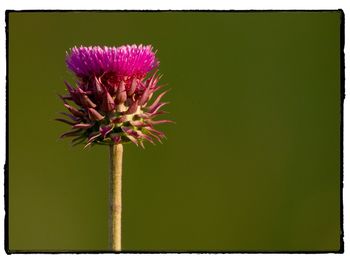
177	5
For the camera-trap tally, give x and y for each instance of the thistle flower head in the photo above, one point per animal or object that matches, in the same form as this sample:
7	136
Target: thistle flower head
110	102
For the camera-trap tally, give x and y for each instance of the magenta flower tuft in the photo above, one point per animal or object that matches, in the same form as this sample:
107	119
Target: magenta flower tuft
128	60
109	104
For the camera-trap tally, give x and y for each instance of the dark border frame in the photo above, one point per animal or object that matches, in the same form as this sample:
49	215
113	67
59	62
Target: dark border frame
342	97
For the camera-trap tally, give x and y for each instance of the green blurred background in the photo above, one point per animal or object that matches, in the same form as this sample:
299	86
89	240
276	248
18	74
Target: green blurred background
252	163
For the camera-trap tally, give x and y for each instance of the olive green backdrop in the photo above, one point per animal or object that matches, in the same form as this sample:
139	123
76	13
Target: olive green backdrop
252	163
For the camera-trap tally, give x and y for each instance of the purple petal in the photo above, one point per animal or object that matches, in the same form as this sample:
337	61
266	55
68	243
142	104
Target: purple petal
157	113
155	136
144	115
87	102
157	107
108	103
133	108
77	140
69	88
70	116
119	119
83	126
93	136
121	93
147	137
116	138
95	115
152	130
104	130
144	97
155	103
138	124
73	93
133	87
74	111
65	121
71	133
128	132
65	98
159	121
99	86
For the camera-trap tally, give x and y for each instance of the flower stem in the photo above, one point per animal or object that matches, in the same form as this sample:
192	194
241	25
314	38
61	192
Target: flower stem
115	196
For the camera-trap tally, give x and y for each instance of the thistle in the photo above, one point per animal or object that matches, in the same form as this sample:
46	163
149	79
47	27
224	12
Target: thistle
112	95
111	105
